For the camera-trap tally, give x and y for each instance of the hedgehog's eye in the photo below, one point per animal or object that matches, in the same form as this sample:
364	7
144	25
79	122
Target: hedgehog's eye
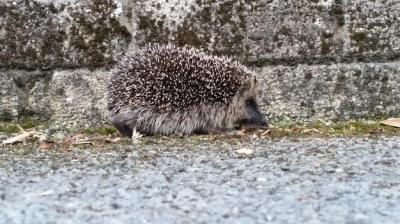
250	102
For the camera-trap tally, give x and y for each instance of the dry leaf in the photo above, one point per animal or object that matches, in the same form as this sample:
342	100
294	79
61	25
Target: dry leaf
79	137
113	140
45	145
240	133
296	129
376	131
246	151
310	130
394	122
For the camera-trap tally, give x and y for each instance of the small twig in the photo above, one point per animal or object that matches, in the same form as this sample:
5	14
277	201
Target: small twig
21	129
19	138
82	143
266	132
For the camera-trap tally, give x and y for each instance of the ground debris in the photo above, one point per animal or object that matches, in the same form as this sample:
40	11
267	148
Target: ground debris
84	139
246	151
22	137
46	145
394	122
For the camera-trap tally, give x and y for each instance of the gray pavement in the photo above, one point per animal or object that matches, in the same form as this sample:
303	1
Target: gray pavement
204	180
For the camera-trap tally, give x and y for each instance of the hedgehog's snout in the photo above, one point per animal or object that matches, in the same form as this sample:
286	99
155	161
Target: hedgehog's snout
253	117
261	122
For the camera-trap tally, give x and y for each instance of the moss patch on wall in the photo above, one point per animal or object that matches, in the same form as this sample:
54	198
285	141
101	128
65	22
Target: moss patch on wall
223	36
24	24
92	30
72	34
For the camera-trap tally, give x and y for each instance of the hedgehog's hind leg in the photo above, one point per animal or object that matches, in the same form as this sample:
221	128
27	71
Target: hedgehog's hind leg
121	122
200	131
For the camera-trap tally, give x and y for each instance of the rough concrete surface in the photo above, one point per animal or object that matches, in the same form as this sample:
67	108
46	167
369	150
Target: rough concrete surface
66	98
59	34
78	99
53	34
273	31
331	92
200	180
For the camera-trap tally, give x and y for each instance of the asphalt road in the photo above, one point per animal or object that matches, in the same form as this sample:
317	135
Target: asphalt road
200	180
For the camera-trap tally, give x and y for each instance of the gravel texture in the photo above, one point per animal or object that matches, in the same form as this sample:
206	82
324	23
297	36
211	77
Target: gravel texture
204	180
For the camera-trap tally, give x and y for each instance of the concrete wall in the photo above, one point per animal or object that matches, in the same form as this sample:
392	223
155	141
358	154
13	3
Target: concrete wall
328	59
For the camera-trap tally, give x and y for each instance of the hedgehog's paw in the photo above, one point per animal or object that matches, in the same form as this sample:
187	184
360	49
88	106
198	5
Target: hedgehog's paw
227	132
136	136
223	131
234	132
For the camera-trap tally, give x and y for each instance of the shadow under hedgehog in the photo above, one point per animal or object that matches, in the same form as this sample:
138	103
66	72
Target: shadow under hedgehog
164	89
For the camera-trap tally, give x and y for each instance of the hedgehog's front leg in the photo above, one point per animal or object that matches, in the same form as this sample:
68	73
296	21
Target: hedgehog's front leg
136	136
120	121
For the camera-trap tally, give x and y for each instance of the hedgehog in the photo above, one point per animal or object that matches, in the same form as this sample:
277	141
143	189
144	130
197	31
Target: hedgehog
164	89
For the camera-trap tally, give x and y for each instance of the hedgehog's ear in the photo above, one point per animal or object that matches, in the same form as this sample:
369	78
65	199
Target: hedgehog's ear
255	81
247	85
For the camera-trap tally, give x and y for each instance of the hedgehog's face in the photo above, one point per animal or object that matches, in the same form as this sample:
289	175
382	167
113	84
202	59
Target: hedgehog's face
250	114
247	109
253	115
